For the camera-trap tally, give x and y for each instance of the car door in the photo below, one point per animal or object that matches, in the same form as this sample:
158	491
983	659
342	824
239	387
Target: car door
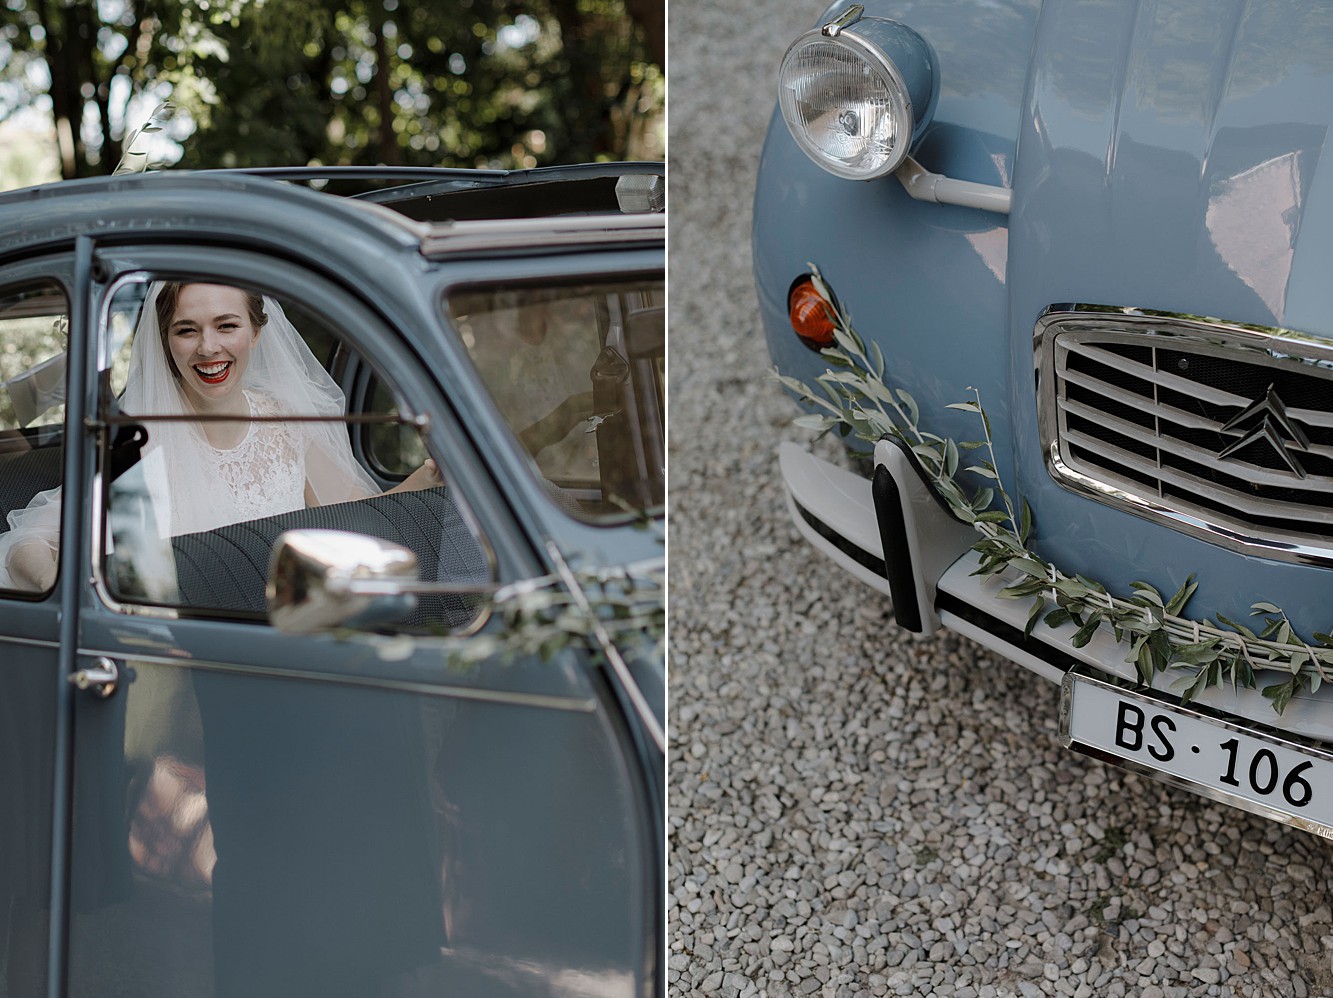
35	304
256	813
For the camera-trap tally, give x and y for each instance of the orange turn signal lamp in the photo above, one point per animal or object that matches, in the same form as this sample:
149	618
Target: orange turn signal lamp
811	315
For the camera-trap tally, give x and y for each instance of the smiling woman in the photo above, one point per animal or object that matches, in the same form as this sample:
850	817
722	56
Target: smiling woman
230	355
209	330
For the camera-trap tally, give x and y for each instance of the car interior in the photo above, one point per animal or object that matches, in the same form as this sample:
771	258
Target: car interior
222	571
577	371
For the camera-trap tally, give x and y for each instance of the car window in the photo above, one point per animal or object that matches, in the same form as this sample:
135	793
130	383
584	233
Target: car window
34	322
395	450
578	373
226	429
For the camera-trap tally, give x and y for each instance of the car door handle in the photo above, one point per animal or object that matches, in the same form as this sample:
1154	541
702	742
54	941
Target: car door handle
102	677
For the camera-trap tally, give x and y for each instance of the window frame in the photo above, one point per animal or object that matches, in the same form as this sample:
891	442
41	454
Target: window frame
563	278
48	271
356	328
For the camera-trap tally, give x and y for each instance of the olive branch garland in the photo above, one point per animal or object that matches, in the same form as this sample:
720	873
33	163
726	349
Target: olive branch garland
622	604
542	616
616	613
855	399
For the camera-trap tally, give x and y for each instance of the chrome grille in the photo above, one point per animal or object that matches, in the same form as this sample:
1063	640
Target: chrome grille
1224	431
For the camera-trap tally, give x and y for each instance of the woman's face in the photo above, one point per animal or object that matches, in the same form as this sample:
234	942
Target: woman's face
210	336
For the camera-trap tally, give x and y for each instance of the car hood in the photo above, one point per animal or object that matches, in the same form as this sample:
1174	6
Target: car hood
1189	136
1170	157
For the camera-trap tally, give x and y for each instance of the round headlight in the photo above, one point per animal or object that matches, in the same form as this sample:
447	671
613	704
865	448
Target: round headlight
851	108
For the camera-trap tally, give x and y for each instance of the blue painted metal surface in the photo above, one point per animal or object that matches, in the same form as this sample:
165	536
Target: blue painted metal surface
1164	155
255	813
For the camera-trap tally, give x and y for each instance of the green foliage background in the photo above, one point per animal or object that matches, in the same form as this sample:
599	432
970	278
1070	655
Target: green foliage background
466	83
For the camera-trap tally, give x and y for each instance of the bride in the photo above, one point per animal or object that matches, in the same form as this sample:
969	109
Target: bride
231	356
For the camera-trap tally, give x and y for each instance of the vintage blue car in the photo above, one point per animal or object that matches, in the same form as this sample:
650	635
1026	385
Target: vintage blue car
1093	239
397	738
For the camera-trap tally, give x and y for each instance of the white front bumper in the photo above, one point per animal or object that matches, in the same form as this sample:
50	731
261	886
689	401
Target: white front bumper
931	562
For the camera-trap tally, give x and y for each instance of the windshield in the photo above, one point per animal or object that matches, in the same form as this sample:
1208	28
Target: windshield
578	371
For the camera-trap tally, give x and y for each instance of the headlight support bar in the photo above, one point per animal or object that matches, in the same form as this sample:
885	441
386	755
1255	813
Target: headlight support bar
923	185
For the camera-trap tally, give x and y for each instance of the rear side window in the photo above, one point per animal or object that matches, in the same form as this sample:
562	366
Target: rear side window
34	323
578	373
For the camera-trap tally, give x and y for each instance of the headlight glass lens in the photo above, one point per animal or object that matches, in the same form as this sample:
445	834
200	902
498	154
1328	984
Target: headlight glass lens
850	114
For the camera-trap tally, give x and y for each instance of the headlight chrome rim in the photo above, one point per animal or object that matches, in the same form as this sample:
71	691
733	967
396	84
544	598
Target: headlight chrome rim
889	77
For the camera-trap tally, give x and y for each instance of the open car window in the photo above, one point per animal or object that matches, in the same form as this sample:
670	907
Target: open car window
578	372
226	429
34	323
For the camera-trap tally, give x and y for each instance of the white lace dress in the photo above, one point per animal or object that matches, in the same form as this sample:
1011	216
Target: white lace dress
184	485
265	473
195	486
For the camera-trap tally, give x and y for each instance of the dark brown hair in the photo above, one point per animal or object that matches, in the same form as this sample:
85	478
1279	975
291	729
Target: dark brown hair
166	310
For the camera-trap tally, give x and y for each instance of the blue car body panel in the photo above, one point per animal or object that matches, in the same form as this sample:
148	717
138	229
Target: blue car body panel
1162	155
380	822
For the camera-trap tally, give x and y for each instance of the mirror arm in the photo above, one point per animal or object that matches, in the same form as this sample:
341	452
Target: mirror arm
398	587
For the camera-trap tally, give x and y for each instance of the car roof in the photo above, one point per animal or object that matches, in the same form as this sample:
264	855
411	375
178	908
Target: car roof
441	194
437	212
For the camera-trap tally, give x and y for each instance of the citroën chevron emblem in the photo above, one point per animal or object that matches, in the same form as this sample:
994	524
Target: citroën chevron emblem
1276	428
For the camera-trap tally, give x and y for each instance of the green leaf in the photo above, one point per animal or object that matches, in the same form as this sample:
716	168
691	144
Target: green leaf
1259	608
1038	606
817	279
1160	643
950	458
1199	653
913	413
1086	632
983	471
1281	693
1143	662
1057	617
1238	628
816	422
831	392
852	378
928	457
1032	567
1195	687
965	406
1177	602
982	499
1146	592
1025	525
1021	589
875	390
1073	588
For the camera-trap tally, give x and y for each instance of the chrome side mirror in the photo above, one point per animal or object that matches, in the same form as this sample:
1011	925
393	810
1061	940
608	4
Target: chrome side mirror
322	579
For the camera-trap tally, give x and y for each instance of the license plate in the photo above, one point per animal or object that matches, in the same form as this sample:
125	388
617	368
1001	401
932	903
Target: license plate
1222	758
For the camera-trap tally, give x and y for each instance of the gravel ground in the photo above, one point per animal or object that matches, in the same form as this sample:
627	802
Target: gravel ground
855	810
